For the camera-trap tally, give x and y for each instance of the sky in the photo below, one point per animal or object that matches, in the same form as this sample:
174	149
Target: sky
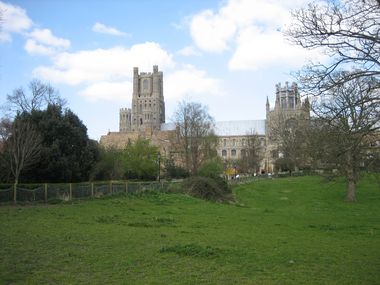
227	55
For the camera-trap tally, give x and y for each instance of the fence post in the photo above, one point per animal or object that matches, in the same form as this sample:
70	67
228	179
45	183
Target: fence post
46	188
15	193
71	191
92	189
126	187
110	187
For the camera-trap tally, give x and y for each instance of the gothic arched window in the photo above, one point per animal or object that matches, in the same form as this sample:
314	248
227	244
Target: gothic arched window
145	84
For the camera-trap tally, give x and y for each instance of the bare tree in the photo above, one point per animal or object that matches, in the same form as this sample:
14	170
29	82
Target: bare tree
5	129
350	113
22	148
40	96
195	137
289	135
348	32
251	153
347	88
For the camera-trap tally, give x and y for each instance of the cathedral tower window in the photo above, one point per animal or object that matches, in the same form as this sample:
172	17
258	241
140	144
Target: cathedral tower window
283	102
145	84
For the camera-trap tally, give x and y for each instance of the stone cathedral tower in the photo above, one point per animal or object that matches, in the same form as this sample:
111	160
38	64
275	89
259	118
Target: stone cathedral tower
148	106
288	111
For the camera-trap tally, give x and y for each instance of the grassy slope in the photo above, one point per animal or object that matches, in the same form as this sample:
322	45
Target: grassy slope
289	231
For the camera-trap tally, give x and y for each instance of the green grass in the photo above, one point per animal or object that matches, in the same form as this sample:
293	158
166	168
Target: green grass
285	231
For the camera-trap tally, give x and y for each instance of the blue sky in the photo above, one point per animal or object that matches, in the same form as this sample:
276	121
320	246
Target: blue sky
227	55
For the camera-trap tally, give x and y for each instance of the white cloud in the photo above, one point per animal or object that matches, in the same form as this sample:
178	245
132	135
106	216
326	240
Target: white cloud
189	51
190	81
32	47
211	32
214	31
103	64
109	91
107	73
250	28
103	29
14	20
43	42
46	37
39	41
258	49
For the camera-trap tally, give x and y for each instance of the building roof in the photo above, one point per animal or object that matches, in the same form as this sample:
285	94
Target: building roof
240	128
231	128
167	127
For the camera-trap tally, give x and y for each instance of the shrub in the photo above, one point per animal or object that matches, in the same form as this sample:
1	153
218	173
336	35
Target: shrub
284	164
212	168
174	171
212	189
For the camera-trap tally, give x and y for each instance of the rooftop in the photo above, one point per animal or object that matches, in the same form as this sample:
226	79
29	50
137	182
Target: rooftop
231	128
240	128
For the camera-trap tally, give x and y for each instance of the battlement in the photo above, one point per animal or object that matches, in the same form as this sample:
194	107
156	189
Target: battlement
148	105
155	70
287	87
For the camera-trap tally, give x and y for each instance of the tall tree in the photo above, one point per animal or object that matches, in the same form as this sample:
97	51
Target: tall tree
251	154
67	153
39	97
289	134
347	31
141	160
351	115
22	147
109	166
195	138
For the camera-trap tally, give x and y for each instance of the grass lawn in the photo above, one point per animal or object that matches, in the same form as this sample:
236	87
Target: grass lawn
284	231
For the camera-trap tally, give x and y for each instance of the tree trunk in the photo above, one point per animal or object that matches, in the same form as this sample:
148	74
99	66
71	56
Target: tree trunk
351	176
351	190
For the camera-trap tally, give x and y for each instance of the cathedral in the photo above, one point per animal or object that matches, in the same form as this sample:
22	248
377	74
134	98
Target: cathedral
148	105
146	119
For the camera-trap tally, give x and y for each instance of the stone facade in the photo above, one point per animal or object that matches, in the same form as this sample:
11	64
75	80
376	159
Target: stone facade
119	140
148	105
233	137
288	106
146	119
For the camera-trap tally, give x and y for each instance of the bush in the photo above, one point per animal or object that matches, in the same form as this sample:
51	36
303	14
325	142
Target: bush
174	171
284	164
212	168
212	189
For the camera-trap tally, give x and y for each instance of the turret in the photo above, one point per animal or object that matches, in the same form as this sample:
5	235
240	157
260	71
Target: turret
135	82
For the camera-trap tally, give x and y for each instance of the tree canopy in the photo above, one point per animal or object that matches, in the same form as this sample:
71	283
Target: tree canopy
67	154
196	141
347	31
347	86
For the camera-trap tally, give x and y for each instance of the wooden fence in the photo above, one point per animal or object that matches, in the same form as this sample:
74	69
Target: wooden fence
50	192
